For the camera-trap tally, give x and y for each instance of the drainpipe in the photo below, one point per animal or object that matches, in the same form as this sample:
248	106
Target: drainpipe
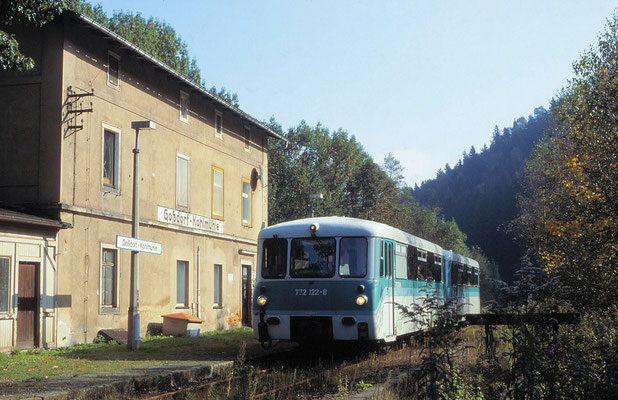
199	312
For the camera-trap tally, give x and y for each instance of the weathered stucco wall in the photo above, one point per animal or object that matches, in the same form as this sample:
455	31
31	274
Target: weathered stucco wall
53	123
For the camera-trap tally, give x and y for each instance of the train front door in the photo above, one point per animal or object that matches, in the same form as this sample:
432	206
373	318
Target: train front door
389	255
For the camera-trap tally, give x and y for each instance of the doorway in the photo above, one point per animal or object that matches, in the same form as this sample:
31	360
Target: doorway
27	306
246	294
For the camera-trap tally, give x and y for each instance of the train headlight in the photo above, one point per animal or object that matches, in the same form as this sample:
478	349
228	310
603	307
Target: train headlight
313	228
361	300
262	300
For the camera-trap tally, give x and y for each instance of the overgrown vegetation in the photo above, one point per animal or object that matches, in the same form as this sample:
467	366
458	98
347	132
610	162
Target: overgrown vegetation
100	357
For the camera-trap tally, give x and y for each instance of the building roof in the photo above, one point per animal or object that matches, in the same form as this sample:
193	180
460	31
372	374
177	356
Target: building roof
13	217
142	54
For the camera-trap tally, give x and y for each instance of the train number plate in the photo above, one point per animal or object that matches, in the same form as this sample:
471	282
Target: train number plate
311	292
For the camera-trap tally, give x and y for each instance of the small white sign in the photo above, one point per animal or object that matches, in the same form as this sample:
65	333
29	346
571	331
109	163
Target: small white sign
133	244
230	277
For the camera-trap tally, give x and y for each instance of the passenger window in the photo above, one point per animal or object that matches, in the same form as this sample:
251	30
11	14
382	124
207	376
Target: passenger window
412	271
274	258
437	268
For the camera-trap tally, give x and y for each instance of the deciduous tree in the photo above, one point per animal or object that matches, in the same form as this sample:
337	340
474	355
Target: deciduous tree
24	13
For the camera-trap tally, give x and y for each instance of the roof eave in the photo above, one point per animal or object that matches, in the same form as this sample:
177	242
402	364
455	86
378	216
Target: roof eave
177	75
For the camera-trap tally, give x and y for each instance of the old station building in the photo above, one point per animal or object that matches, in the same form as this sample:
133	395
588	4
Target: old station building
67	167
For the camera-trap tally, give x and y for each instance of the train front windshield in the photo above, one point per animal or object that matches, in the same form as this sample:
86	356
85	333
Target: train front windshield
314	258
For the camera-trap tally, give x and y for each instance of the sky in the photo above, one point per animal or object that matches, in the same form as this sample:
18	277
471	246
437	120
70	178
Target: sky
424	80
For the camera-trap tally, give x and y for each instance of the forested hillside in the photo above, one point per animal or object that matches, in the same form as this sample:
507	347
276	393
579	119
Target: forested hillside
480	191
317	160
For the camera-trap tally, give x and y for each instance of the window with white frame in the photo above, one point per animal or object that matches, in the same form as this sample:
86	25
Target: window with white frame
246	202
109	277
219	124
5	284
113	70
218	289
182	181
217	192
182	283
247	138
111	158
184	106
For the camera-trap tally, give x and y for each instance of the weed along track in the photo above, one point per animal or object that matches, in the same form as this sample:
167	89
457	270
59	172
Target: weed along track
303	374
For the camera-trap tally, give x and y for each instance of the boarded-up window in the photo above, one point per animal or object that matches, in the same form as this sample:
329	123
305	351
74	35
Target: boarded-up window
182	269
182	181
218	124
184	106
217	192
247	138
5	278
246	202
109	278
113	70
110	158
217	300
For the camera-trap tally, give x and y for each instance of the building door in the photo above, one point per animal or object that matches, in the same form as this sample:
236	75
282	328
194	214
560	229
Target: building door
27	306
246	295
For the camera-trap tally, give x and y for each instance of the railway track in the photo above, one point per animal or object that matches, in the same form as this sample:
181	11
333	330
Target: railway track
301	374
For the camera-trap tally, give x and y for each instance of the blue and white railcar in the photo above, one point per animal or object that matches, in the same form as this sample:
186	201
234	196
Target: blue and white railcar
337	278
462	282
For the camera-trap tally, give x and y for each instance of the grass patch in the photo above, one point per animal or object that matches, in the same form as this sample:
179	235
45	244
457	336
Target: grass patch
102	358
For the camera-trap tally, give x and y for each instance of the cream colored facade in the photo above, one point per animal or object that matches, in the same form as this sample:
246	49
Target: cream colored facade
64	110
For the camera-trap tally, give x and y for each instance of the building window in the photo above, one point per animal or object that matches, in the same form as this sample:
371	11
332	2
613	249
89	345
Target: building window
184	106
218	295
113	70
217	192
246	202
182	283
182	181
247	138
219	124
109	278
5	283
111	159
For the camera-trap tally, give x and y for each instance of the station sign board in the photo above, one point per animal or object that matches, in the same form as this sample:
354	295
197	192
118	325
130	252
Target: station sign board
188	220
133	244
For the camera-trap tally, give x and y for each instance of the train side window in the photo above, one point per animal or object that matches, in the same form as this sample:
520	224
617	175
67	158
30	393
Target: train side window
422	265
475	277
468	275
274	258
390	260
411	258
381	258
437	268
401	264
459	274
430	270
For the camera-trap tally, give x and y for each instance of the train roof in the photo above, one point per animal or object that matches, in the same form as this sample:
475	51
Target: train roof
345	226
452	256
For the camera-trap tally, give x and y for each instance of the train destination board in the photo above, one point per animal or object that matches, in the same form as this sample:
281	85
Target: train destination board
133	244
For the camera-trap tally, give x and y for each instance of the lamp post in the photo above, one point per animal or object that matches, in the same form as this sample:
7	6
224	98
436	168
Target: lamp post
315	196
134	294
